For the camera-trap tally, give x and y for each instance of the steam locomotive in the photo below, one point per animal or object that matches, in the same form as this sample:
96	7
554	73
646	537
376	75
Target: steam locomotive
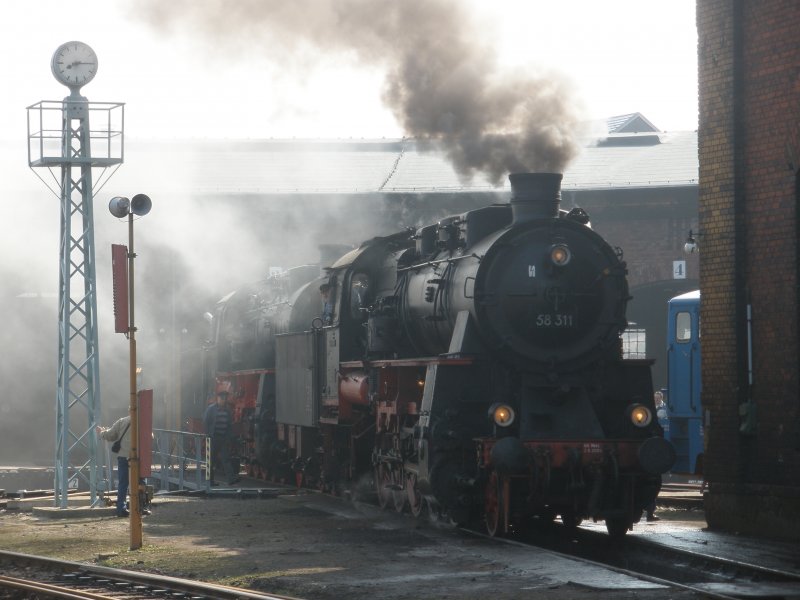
472	367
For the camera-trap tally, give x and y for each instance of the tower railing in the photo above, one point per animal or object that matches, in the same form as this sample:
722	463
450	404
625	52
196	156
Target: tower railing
106	137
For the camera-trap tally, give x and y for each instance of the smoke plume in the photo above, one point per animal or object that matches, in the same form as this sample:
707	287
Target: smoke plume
444	86
442	80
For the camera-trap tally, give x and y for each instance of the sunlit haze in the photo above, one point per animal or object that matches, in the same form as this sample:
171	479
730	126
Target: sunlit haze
622	56
501	85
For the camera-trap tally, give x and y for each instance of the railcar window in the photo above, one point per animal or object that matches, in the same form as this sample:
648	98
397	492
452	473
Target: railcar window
683	326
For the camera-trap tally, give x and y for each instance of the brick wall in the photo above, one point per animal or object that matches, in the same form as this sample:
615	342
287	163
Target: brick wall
771	109
650	246
748	57
650	227
717	224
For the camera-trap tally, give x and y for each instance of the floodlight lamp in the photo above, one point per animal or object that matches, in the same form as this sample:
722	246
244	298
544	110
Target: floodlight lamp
141	204
119	206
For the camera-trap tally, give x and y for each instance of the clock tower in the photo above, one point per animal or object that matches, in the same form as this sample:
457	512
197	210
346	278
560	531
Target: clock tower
61	140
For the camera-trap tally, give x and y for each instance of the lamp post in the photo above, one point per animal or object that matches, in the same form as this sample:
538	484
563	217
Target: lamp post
120	207
691	246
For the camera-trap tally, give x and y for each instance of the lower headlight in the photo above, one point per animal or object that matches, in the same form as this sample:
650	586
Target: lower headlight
502	414
640	415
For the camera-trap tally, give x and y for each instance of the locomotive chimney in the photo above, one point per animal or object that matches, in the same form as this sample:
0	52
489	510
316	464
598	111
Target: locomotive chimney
534	196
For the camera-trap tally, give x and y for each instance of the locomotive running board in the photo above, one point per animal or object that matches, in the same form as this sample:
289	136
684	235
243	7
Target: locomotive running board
409	362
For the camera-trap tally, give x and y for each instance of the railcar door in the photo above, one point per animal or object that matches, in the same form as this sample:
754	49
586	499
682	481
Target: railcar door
684	407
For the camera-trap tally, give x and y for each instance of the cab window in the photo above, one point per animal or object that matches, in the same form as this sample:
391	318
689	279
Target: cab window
359	290
683	327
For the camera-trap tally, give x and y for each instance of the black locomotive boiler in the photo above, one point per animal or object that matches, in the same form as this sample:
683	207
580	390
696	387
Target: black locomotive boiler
473	367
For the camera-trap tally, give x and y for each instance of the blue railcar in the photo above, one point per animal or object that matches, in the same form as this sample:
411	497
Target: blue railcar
683	404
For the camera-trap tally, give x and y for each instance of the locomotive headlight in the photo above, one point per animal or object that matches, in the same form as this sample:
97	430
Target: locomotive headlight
502	414
640	415
560	255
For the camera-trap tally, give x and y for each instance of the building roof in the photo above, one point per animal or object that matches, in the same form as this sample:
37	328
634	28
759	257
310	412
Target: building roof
636	160
391	166
630	123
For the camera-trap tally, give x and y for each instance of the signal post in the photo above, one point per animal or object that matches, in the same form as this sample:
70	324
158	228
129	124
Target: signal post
124	321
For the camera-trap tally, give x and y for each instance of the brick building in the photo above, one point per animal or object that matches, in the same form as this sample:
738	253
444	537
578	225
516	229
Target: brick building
749	151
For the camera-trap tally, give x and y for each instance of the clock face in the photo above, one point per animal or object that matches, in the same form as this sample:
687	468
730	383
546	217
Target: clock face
74	64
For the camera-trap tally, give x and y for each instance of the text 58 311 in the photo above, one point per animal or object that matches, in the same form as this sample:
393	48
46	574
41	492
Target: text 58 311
555	320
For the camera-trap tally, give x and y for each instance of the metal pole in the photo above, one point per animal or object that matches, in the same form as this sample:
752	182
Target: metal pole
133	459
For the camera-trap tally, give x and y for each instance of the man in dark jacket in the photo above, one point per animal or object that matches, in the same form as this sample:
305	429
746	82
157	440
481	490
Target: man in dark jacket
218	423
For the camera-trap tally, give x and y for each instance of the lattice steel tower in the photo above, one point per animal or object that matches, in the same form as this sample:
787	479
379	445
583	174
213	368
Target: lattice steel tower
76	149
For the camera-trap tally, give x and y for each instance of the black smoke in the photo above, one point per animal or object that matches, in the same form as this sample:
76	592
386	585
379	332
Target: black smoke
442	79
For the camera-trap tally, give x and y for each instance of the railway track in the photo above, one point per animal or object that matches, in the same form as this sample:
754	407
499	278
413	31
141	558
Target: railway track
704	574
709	575
27	576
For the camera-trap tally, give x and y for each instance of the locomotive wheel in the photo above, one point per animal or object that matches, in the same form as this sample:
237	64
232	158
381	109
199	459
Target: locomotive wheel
416	501
548	515
493	507
383	485
434	511
570	519
617	527
399	496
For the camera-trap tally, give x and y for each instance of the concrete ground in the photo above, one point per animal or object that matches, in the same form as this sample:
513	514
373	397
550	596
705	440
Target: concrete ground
312	546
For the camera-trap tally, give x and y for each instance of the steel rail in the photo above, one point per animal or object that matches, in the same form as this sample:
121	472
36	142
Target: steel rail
630	573
49	590
743	569
654	561
162	582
